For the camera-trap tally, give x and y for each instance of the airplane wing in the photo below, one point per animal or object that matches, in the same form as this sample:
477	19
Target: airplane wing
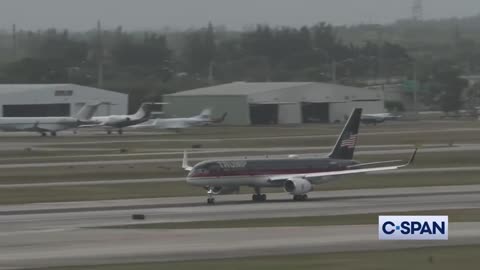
39	127
146	124
281	178
93	125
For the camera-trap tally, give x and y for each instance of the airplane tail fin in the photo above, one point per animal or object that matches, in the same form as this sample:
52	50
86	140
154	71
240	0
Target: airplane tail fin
221	119
145	111
205	114
87	111
345	146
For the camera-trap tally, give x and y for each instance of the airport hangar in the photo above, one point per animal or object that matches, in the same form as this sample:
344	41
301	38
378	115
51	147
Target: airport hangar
276	102
30	100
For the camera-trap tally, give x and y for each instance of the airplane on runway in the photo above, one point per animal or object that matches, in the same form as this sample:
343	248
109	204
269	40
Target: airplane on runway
119	122
203	119
378	118
52	125
296	175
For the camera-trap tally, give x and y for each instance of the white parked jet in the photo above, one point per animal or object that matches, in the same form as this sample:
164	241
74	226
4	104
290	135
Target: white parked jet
119	122
52	125
202	119
378	118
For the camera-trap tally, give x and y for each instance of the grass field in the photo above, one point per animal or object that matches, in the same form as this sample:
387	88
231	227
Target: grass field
233	131
179	189
90	173
438	258
457	215
172	169
397	133
392	137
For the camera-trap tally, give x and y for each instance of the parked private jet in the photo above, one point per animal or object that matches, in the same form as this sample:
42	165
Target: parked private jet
378	118
296	175
119	122
202	119
52	125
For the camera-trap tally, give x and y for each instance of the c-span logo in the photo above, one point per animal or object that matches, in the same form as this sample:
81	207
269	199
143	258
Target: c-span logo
413	227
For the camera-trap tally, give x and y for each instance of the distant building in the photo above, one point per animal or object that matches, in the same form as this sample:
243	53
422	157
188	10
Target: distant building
24	100
276	102
472	79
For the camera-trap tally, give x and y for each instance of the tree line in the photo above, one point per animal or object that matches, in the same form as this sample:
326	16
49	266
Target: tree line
149	64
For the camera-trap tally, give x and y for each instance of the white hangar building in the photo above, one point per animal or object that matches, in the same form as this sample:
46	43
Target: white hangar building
25	100
276	102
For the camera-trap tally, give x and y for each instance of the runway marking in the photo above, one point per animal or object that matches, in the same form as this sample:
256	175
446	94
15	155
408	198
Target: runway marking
34	231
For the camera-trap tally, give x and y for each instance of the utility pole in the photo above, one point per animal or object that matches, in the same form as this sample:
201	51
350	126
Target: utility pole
380	54
415	88
210	73
14	41
100	54
334	71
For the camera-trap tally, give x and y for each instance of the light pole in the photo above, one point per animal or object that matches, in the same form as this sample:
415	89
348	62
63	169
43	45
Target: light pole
415	86
334	68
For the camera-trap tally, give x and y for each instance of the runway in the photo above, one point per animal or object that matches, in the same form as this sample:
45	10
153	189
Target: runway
94	247
108	213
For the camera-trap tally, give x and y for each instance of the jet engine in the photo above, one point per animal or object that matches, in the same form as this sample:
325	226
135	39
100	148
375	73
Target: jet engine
224	190
297	186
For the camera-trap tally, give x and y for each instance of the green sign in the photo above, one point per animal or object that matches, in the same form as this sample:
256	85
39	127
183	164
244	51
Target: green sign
411	85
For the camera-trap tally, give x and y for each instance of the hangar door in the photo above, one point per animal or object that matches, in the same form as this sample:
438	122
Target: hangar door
315	112
263	114
36	110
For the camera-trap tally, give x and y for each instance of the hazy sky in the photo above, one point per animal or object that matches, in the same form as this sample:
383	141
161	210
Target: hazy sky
155	14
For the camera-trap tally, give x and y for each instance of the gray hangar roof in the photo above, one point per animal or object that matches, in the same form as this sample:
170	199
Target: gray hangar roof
252	88
18	88
241	88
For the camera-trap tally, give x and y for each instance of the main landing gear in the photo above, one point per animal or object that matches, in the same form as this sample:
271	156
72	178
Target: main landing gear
300	198
258	196
211	199
52	133
120	132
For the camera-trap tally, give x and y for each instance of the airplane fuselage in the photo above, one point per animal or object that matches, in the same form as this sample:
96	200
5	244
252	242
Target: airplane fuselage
37	123
256	173
119	121
179	123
